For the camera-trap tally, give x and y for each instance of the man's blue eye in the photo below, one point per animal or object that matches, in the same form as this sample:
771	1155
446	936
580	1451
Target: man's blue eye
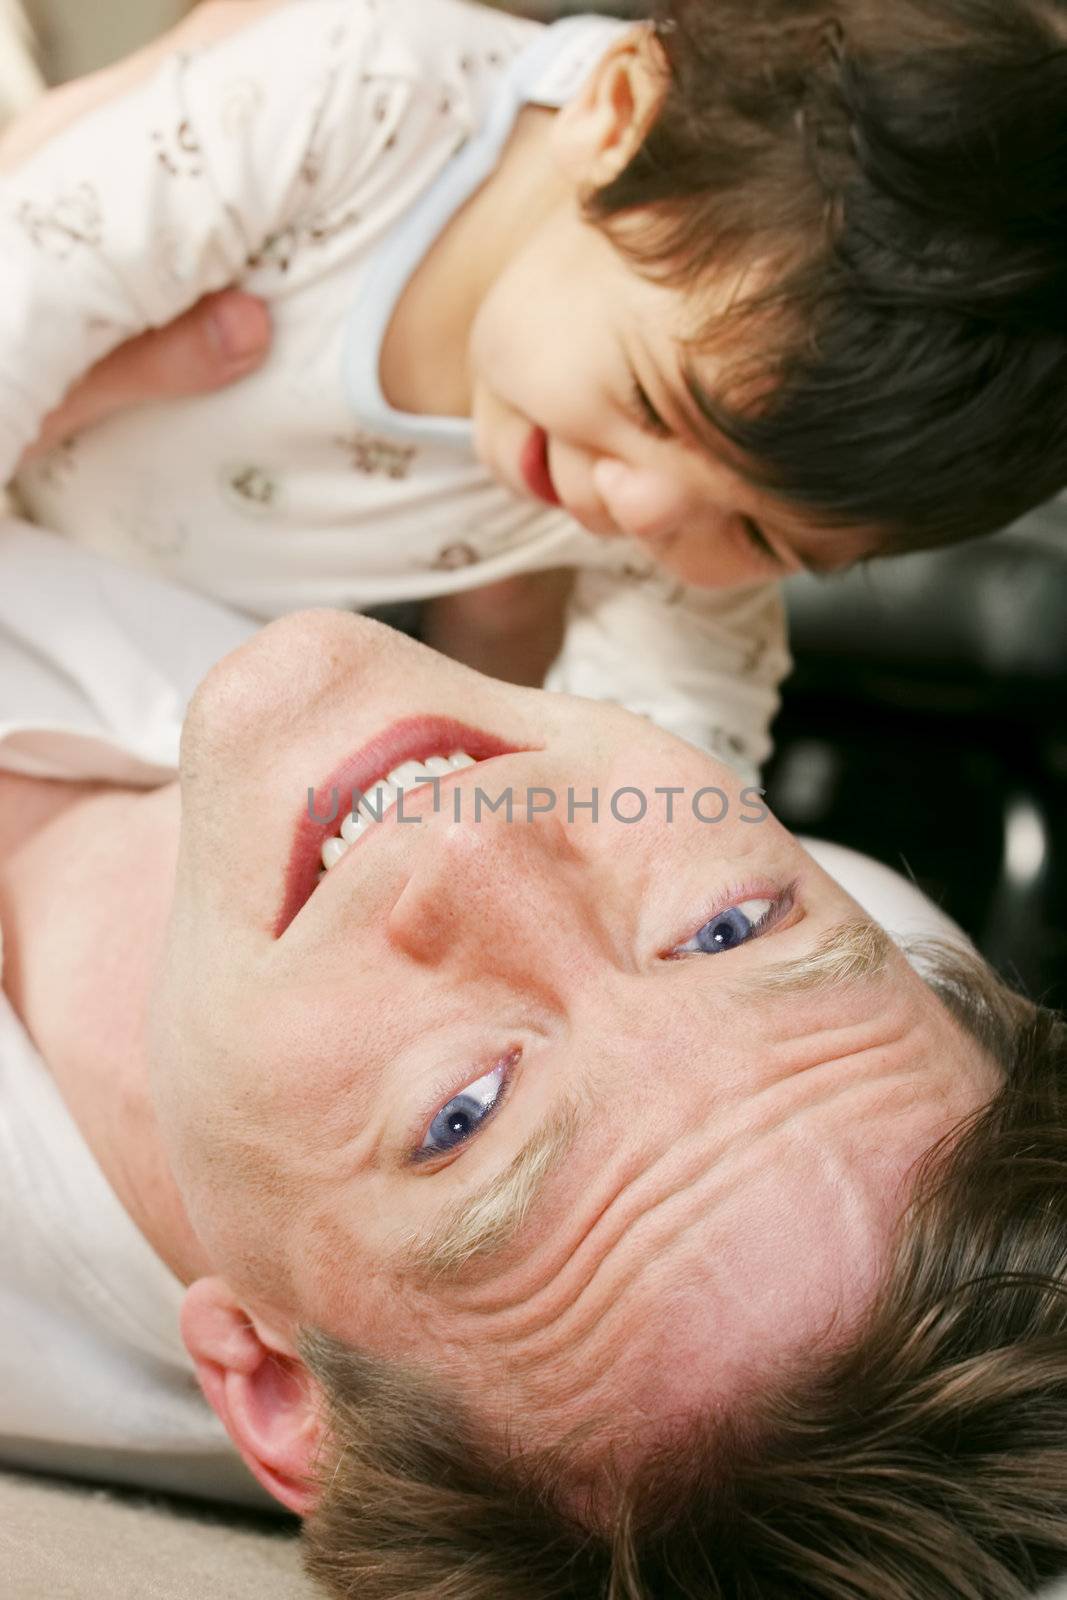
464	1114
729	928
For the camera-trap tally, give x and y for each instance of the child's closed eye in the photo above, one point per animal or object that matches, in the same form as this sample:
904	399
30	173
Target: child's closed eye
759	543
644	412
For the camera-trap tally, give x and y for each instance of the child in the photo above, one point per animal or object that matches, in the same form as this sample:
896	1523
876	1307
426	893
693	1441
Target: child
500	260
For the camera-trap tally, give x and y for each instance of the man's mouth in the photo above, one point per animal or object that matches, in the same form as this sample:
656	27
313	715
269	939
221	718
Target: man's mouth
384	794
534	466
366	787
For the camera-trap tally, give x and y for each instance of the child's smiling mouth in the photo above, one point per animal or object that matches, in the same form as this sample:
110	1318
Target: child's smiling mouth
534	466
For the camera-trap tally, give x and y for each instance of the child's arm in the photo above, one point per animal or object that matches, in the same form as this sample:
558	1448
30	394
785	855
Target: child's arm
510	630
704	664
124	219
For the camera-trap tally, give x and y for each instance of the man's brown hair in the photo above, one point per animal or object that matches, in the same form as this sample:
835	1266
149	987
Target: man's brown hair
926	1459
892	177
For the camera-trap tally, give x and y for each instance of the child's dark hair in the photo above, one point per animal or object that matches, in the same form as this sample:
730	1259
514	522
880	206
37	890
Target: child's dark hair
897	170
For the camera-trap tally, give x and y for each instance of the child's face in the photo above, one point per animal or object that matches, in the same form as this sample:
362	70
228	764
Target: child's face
560	344
576	367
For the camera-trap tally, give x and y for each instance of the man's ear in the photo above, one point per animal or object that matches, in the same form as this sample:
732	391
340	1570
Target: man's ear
267	1400
597	132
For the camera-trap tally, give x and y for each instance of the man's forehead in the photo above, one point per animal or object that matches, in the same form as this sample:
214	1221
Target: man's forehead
887	1027
699	1271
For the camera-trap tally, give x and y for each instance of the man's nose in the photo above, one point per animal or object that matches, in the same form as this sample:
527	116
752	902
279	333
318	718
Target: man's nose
491	892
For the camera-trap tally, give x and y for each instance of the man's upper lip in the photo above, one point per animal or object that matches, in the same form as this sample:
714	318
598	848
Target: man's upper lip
409	739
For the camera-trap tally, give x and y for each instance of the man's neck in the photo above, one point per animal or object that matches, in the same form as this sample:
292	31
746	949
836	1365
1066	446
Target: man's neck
86	879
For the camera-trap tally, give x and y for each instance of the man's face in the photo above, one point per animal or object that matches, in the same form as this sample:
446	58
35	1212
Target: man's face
578	396
338	1064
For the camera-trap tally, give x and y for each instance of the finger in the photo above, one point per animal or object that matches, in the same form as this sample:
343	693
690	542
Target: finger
222	339
219	340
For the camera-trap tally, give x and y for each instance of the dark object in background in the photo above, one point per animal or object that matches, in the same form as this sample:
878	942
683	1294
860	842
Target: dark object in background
925	725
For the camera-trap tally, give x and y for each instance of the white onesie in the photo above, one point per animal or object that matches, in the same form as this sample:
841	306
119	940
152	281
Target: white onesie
314	158
96	666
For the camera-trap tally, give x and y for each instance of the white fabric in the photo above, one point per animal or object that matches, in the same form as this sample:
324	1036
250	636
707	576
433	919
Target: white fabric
887	898
96	666
314	158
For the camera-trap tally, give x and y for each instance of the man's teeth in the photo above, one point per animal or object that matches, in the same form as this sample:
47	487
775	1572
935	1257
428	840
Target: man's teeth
384	794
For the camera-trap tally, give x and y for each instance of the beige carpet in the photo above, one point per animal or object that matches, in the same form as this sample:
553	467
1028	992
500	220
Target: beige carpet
64	1542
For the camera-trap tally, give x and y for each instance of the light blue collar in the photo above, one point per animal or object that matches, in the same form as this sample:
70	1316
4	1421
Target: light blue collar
548	72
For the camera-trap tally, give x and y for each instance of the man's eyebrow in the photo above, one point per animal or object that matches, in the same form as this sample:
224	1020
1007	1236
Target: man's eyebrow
478	1225
849	952
482	1222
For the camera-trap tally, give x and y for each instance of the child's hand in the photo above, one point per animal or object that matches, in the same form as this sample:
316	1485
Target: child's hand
222	339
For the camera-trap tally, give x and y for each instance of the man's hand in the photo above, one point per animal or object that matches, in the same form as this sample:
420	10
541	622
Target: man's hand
223	338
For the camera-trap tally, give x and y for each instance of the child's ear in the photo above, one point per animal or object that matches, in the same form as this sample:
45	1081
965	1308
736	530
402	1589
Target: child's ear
597	132
265	1397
